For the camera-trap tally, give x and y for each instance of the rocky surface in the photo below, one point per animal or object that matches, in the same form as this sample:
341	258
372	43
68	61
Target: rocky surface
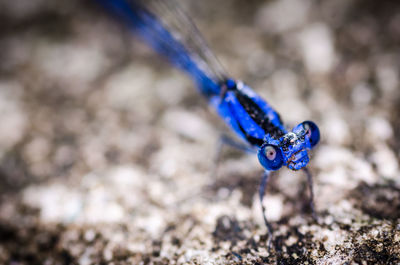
106	151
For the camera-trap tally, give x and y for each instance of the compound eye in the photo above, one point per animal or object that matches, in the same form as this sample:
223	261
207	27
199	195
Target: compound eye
270	157
270	152
307	128
312	132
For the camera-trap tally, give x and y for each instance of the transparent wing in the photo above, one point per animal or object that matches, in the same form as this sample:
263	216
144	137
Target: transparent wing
169	31
186	32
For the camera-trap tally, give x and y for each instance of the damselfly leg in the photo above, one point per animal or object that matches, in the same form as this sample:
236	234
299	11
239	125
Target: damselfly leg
311	189
225	140
261	192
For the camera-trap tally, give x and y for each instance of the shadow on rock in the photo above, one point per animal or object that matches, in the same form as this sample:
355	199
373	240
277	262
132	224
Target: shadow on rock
378	201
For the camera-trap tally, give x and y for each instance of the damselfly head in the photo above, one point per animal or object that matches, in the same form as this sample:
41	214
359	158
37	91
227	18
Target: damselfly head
291	149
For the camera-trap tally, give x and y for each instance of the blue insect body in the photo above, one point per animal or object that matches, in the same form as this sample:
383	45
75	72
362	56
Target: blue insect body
253	119
259	125
162	26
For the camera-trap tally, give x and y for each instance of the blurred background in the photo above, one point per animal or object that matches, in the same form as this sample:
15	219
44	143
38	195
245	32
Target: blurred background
106	150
